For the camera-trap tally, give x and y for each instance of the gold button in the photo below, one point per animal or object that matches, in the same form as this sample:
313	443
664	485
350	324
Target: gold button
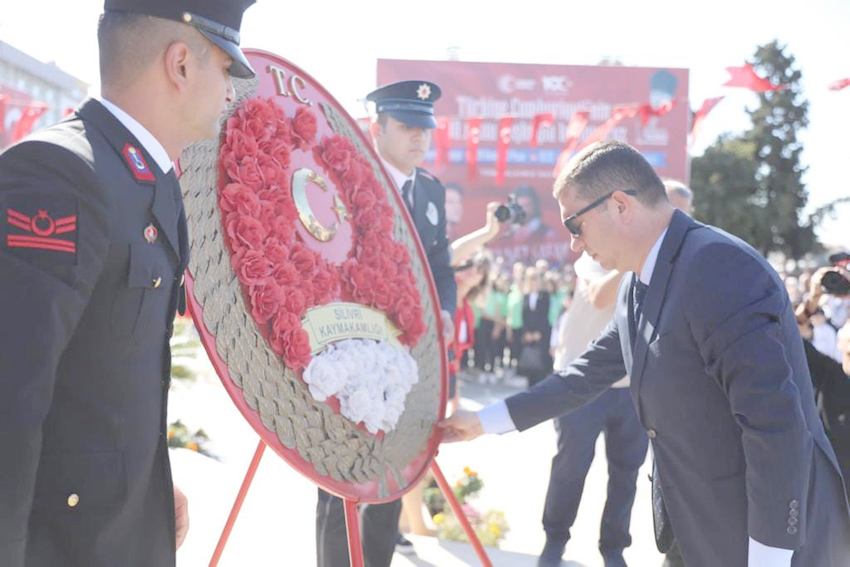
73	500
157	282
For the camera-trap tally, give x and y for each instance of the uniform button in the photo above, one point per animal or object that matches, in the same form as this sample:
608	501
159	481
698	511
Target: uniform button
793	513
792	521
73	500
652	433
157	282
792	530
793	504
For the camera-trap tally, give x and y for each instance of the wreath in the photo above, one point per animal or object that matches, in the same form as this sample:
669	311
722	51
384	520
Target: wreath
280	275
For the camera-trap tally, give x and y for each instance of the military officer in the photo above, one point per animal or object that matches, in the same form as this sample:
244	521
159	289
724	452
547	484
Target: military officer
401	131
92	249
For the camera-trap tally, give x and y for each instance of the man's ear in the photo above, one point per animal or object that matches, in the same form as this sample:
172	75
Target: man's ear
375	129
176	61
624	206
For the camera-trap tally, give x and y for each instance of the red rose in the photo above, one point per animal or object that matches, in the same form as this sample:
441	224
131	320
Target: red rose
245	231
280	151
369	219
276	252
352	178
294	301
242	143
286	274
283	229
252	267
235	197
282	324
383	295
306	288
400	254
364	200
304	128
297	349
325	285
249	174
262	109
229	162
336	152
369	256
265	301
259	129
270	170
268	212
387	218
303	258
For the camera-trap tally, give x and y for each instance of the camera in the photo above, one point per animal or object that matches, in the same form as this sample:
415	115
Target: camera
835	284
511	211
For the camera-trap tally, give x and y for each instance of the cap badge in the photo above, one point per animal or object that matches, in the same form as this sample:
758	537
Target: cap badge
423	92
150	234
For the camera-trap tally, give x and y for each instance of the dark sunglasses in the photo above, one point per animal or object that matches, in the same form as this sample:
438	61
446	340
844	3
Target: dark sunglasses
570	221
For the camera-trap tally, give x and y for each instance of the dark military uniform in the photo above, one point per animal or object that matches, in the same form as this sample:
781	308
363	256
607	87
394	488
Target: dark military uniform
411	102
84	373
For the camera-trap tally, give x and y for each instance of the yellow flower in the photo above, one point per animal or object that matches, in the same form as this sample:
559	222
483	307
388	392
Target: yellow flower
469	472
439	518
171	434
192	446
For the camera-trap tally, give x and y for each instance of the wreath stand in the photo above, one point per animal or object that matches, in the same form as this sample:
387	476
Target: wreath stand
352	521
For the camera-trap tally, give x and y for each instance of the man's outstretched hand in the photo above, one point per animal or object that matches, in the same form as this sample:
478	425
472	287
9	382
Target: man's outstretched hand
463	425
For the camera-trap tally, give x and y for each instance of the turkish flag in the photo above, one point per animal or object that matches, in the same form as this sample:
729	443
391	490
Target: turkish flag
699	115
31	115
539	120
839	84
473	134
746	78
647	110
575	128
3	100
442	142
504	140
620	113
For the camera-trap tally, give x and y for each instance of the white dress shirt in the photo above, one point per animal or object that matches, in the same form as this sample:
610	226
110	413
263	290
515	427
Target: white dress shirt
399	178
496	418
145	138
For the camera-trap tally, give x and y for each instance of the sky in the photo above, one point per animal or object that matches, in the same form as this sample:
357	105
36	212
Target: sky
338	42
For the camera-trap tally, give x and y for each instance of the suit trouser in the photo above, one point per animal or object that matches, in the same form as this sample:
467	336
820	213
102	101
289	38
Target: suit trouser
625	446
378	528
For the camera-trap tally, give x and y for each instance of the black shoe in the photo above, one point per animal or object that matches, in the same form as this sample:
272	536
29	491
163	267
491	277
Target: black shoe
404	546
551	554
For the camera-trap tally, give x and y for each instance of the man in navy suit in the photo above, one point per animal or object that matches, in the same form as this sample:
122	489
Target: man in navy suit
402	133
705	329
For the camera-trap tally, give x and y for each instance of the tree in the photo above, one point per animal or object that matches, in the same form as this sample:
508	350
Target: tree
766	209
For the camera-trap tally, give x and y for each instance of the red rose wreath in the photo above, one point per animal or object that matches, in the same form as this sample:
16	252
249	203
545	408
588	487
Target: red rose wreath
280	275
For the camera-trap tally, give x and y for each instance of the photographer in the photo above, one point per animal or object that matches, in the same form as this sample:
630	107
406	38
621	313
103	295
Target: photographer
831	381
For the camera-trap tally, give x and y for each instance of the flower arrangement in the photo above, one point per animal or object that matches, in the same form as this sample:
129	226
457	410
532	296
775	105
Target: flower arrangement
180	436
490	527
281	276
370	379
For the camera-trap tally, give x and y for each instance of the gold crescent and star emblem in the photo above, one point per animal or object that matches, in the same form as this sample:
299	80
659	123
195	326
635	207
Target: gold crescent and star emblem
300	180
423	92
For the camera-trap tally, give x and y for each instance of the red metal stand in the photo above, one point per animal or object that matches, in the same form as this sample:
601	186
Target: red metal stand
352	520
352	525
234	512
464	522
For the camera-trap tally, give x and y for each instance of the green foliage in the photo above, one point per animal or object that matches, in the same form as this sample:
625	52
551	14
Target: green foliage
751	185
180	436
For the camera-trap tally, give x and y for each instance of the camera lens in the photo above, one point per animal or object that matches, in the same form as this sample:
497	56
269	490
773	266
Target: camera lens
503	213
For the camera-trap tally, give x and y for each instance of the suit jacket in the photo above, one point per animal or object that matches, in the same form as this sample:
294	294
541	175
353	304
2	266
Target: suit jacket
537	319
429	217
720	382
84	372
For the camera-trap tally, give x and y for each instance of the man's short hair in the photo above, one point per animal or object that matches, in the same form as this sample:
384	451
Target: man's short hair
454	187
382	118
608	166
130	42
679	188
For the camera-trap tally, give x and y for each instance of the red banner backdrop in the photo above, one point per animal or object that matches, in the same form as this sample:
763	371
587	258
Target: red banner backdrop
491	92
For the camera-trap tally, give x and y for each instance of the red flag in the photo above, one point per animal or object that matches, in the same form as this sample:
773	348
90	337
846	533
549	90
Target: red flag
442	142
575	128
504	140
746	77
472	139
544	120
647	110
30	116
839	84
699	115
620	113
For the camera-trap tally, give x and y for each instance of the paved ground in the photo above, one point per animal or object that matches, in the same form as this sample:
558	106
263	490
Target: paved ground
277	523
